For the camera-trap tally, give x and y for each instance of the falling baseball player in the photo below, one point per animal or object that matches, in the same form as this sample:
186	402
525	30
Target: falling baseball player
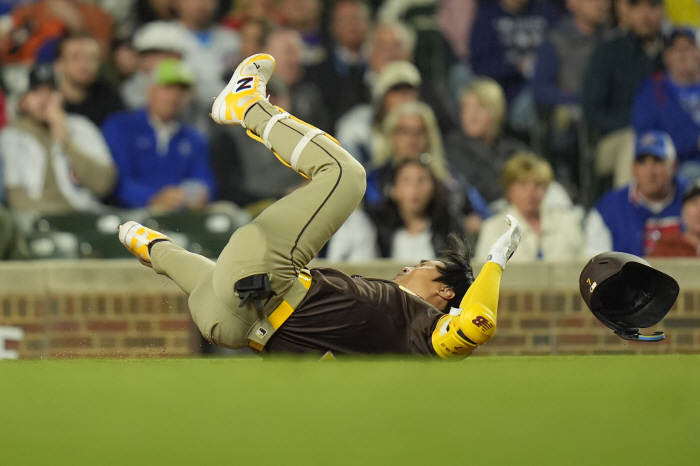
259	292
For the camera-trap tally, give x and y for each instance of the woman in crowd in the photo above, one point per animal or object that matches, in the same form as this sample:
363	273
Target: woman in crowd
414	220
480	149
549	233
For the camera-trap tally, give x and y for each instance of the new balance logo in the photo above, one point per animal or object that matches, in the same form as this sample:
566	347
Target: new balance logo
483	323
244	84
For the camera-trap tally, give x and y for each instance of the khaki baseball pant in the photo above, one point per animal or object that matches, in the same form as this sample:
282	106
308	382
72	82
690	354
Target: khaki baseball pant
280	242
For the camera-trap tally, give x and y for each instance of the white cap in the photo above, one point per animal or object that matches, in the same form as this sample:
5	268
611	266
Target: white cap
394	74
160	35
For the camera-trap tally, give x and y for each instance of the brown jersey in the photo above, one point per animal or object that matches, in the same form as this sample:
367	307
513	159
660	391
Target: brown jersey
355	315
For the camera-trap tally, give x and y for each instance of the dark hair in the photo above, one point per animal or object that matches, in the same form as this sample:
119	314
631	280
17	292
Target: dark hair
61	44
387	218
457	272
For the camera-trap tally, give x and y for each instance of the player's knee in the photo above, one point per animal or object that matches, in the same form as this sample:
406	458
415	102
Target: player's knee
354	179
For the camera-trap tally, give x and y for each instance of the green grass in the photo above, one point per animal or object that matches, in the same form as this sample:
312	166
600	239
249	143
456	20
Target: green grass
603	410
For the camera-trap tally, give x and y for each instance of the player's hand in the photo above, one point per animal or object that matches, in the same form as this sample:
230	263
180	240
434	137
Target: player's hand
504	247
169	197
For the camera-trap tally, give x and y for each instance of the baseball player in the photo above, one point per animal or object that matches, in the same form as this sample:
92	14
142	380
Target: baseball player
260	294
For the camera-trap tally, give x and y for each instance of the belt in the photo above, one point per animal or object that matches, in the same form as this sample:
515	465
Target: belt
281	313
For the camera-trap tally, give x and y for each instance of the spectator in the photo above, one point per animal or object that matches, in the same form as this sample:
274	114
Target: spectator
480	149
414	221
389	42
686	243
620	12
37	27
54	162
154	42
561	63
286	46
360	129
346	62
394	41
245	11
410	132
549	233
124	61
632	219
254	34
670	101
456	18
163	162
614	73
355	240
305	17
505	37
210	51
148	11
77	66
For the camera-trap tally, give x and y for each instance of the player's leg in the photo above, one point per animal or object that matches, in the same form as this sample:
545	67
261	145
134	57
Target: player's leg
154	249
288	234
456	337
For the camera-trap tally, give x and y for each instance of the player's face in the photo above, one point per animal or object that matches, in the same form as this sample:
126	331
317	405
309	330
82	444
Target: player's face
691	215
425	272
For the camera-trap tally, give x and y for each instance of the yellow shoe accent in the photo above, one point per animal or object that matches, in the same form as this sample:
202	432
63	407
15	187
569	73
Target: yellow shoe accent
247	86
136	238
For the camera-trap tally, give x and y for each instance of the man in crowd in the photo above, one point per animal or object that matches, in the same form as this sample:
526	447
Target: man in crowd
77	66
633	218
670	101
163	162
614	73
345	64
53	162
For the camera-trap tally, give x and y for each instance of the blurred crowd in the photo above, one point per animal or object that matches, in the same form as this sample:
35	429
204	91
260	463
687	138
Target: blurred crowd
581	118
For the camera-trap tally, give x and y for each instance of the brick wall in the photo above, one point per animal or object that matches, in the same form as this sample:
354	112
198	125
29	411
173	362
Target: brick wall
122	309
94	309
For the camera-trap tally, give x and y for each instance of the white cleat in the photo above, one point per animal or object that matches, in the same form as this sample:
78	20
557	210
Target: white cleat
247	86
137	239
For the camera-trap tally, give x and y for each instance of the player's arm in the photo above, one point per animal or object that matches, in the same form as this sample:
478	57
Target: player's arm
455	337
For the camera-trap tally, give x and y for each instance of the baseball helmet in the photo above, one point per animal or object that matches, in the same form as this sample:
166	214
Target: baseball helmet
624	292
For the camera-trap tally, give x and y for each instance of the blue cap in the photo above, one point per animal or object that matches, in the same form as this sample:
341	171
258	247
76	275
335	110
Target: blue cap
655	143
679	32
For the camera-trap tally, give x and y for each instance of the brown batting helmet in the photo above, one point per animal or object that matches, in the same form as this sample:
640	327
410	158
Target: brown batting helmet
624	292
